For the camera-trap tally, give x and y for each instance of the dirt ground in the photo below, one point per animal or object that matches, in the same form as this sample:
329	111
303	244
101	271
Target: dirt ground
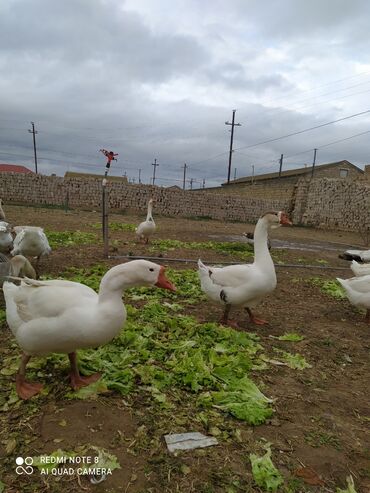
321	414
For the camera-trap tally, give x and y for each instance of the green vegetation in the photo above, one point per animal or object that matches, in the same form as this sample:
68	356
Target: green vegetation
294	361
331	288
69	238
350	486
291	337
243	250
165	353
317	438
264	472
115	226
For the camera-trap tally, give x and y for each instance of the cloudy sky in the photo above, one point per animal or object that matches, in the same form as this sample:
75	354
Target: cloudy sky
159	79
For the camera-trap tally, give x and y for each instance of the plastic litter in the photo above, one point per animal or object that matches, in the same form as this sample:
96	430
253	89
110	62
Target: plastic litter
188	441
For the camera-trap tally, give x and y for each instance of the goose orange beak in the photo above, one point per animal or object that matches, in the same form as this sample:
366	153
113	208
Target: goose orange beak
163	282
284	219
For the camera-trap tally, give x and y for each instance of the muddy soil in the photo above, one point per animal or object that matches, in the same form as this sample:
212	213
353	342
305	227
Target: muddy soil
321	418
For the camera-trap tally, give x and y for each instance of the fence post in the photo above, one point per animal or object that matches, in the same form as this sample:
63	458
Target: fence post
105	217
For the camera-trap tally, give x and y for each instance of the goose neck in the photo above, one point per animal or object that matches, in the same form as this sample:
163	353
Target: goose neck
150	210
261	251
113	283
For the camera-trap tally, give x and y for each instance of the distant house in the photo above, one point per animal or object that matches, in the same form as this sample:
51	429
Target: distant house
275	185
14	168
174	187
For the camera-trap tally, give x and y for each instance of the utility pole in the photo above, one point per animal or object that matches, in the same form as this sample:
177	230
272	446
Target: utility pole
34	132
204	183
234	173
184	178
233	124
155	164
314	162
191	183
139	175
280	164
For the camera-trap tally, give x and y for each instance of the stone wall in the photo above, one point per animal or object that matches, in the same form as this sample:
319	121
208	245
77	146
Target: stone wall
333	204
87	193
323	202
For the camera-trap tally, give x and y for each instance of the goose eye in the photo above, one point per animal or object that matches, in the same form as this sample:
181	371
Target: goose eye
151	269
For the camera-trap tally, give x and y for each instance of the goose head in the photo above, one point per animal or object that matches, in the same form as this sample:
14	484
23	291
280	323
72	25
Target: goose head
150	274
276	219
136	273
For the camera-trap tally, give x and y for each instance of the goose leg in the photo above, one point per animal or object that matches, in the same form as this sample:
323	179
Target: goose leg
225	318
254	319
37	268
25	390
77	380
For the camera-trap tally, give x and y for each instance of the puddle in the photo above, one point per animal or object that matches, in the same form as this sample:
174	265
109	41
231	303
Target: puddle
312	246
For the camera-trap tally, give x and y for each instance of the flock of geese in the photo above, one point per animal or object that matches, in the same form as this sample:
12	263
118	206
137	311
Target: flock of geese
59	316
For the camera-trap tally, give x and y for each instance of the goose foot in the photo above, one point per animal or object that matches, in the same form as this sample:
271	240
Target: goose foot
78	381
26	390
229	323
225	318
254	319
258	321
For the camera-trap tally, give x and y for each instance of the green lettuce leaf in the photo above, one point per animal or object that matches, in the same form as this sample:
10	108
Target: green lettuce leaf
264	472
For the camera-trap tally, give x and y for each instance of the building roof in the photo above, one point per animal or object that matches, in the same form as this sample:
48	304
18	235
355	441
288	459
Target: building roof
14	168
291	172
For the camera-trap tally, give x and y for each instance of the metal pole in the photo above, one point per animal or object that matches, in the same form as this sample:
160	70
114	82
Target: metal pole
155	166
281	164
314	162
34	132
233	124
184	178
105	218
139	175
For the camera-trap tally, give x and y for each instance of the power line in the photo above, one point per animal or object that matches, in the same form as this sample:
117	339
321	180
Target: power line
303	131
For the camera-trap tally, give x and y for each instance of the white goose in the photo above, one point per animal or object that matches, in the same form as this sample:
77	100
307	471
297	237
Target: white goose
360	269
244	285
30	241
147	227
61	316
6	238
358	292
18	266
